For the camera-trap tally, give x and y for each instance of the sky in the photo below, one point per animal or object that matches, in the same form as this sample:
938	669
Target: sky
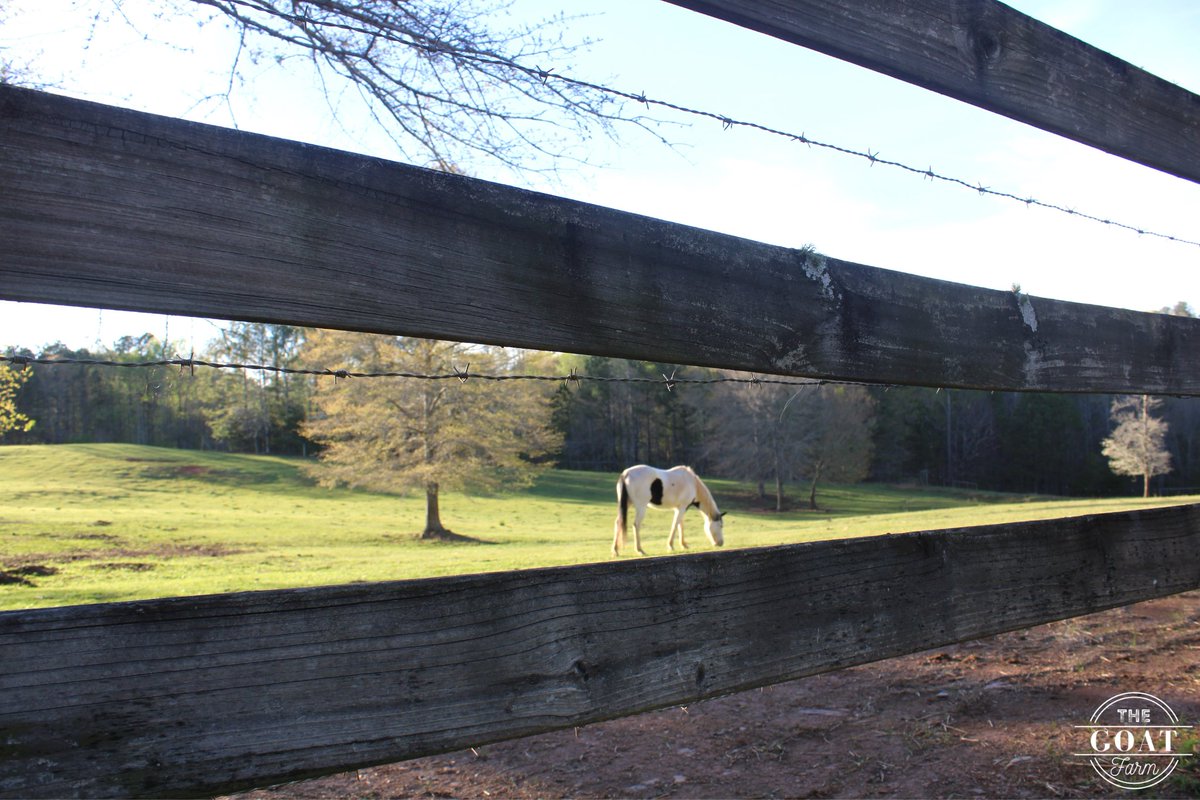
735	181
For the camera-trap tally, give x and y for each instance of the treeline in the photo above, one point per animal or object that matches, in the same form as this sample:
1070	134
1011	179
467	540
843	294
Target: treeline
236	410
785	439
1003	441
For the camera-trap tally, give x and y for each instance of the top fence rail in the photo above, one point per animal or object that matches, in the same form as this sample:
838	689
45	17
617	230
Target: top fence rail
101	207
989	55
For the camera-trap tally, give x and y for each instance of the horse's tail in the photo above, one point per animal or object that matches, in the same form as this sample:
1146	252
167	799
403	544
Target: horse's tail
622	511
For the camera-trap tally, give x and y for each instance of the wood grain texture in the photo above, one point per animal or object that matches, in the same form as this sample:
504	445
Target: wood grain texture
984	53
116	209
192	696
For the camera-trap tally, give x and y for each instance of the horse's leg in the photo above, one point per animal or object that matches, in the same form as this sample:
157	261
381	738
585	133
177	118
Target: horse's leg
676	523
637	530
616	538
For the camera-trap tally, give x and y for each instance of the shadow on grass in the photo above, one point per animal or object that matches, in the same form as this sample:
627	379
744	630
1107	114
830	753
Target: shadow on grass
440	537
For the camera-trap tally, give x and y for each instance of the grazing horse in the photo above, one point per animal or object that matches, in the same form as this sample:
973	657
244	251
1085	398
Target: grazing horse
677	488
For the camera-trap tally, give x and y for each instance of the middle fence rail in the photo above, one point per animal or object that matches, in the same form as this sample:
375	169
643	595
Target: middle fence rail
119	209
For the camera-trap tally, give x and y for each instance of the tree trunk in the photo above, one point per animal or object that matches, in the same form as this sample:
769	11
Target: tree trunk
812	491
1145	416
433	518
778	478
949	446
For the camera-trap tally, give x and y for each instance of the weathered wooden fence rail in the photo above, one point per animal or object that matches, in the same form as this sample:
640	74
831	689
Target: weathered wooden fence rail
202	695
115	209
990	55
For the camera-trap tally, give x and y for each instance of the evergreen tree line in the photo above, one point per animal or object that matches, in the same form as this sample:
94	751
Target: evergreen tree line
784	439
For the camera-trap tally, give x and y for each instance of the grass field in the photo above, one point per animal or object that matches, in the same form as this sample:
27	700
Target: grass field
99	523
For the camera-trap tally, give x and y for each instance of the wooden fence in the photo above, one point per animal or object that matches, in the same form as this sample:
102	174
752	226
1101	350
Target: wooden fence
187	696
992	56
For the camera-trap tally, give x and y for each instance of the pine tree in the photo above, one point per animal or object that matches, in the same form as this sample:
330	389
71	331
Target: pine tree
399	434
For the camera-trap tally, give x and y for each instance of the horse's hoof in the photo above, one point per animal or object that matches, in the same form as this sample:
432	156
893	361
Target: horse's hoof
641	552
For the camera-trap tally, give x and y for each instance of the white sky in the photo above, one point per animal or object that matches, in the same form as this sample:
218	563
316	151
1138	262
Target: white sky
739	182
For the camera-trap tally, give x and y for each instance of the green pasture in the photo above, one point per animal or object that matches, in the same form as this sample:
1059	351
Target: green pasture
102	522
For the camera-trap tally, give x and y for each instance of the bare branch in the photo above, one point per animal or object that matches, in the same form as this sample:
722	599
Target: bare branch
452	86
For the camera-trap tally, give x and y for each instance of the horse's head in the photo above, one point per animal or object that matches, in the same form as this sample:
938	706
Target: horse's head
713	529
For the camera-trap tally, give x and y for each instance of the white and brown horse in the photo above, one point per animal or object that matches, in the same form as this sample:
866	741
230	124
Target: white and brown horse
678	488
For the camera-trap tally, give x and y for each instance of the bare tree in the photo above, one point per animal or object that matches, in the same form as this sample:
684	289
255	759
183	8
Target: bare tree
1137	444
840	448
759	432
779	433
10	70
449	80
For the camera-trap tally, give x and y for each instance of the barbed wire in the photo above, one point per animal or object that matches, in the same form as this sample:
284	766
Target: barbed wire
461	375
574	377
434	48
873	158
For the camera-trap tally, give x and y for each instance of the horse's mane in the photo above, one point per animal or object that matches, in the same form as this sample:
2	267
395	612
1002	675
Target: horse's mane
706	497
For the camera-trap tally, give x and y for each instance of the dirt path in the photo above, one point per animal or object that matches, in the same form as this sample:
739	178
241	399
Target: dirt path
991	718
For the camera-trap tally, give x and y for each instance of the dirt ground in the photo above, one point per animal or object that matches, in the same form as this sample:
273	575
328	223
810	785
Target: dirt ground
990	718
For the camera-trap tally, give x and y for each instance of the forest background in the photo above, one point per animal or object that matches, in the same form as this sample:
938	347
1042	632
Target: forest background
785	438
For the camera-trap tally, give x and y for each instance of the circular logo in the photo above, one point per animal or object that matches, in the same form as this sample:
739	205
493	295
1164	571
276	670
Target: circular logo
1132	740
